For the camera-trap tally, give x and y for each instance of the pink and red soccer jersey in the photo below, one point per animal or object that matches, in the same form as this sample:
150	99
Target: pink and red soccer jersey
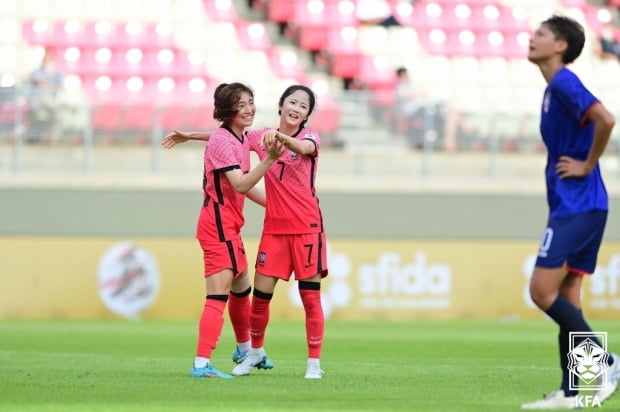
221	217
292	205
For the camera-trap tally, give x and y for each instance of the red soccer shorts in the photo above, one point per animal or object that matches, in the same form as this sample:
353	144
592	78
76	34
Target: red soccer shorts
224	255
280	255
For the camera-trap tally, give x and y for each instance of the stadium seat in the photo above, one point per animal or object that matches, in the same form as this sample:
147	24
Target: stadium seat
132	35
342	40
99	34
107	116
201	118
39	32
173	116
139	116
377	73
347	65
160	36
285	63
281	11
221	10
313	38
253	36
68	33
327	116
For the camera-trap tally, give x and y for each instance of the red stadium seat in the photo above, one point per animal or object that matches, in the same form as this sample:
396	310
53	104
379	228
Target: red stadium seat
327	116
174	116
313	38
201	118
139	116
107	116
346	65
281	11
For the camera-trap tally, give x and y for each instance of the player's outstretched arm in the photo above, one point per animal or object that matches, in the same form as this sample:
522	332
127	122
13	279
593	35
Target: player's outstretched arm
301	147
244	182
176	137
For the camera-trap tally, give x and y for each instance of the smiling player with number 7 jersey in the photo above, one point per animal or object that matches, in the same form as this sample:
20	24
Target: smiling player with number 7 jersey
292	204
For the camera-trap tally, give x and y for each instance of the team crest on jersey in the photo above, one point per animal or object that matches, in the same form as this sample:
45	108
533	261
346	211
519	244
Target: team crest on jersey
294	155
262	257
546	102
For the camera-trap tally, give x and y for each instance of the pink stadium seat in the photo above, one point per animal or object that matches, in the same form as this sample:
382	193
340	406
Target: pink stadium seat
94	39
482	18
346	65
471	3
375	76
429	15
342	40
173	116
154	67
40	32
281	11
159	36
512	48
313	37
338	16
221	11
107	116
69	33
327	116
140	116
304	17
283	65
253	36
201	118
130	35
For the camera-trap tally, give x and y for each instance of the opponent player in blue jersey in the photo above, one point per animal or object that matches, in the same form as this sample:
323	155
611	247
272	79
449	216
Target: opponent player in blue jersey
575	128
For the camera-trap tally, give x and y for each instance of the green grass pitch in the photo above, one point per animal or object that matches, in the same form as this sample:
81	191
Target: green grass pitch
117	365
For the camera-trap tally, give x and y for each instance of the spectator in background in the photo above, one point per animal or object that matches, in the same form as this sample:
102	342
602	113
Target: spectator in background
608	46
45	86
417	113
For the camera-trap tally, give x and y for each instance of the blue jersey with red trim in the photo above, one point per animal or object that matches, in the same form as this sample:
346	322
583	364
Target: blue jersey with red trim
566	131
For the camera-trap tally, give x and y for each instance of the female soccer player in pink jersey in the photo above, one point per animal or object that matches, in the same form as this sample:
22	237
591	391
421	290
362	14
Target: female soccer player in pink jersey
293	238
227	181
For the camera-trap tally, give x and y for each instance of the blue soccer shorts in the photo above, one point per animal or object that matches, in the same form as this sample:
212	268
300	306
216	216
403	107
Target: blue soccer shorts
574	241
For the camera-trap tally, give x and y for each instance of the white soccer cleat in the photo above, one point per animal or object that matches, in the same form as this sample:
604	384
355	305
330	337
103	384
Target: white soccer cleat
314	371
554	400
611	381
254	358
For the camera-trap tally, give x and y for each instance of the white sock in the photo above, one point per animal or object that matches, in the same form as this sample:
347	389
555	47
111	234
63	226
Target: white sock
200	362
244	346
258	352
314	361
